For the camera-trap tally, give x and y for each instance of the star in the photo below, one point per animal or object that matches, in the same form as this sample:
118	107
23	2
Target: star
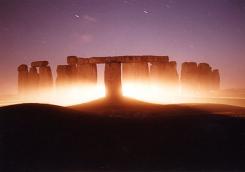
146	12
76	15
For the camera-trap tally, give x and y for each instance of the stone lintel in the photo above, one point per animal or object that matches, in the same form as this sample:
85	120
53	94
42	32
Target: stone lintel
39	63
123	59
72	60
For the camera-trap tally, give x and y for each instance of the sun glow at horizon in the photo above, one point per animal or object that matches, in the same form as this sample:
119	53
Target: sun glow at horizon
151	93
158	93
78	94
66	96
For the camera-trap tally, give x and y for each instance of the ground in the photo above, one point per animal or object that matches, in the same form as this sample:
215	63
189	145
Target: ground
122	135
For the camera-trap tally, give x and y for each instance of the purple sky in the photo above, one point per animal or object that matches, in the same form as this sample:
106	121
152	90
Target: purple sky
210	31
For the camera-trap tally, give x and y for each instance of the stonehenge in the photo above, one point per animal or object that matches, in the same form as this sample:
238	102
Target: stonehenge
36	78
199	77
118	71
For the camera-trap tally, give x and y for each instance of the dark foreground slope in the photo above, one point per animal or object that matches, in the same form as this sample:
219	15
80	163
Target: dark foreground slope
99	136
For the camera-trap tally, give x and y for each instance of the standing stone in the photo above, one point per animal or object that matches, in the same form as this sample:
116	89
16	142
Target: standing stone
204	76
171	75
64	73
157	72
23	79
128	72
189	76
86	72
112	79
142	71
135	72
73	74
94	73
33	78
72	61
215	80
45	78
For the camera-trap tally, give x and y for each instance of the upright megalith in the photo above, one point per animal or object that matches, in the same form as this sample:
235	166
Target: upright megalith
204	76
171	75
94	74
142	71
189	76
215	79
33	79
64	73
72	61
157	72
165	75
135	72
128	72
23	79
86	72
112	79
45	78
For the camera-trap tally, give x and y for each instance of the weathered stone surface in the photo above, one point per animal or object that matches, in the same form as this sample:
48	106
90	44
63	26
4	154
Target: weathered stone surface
33	78
128	72
72	60
164	74
23	79
215	80
74	74
87	73
23	67
204	76
171	74
189	76
81	61
135	72
112	78
39	64
94	74
45	78
142	71
124	59
157	72
64	75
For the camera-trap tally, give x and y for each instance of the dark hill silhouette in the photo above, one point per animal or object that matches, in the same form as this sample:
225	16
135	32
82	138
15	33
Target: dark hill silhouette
122	135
